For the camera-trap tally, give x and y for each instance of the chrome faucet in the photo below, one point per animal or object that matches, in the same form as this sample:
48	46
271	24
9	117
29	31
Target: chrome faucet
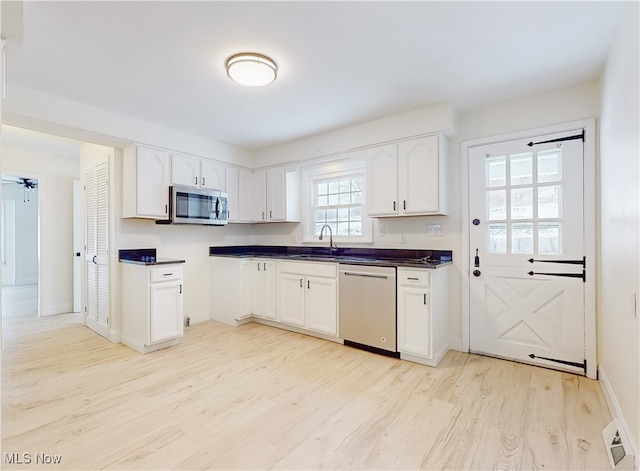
331	246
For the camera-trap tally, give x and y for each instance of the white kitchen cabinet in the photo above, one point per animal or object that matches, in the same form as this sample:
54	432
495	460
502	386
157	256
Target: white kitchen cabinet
422	314
146	176
276	196
152	306
242	288
307	296
408	178
189	170
238	186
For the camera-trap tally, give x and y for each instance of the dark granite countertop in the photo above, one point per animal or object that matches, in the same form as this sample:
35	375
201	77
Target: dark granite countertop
349	255
144	257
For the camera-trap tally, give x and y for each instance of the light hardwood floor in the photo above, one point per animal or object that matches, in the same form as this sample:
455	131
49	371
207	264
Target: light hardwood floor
256	397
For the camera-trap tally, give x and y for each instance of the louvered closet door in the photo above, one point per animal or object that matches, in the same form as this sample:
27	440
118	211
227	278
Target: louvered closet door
97	245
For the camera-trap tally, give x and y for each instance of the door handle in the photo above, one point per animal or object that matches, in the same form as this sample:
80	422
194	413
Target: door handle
77	254
94	259
476	273
476	260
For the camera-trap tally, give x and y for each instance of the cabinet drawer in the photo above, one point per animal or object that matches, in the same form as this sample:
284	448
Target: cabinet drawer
166	273
418	278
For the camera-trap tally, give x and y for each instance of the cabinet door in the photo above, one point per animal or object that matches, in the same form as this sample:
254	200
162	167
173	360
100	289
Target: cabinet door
291	299
276	194
414	322
321	305
245	195
259	188
212	175
248	288
267	275
382	180
418	175
185	170
232	189
165	312
153	177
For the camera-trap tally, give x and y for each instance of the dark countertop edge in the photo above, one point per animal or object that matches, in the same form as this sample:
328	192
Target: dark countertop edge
153	262
406	258
144	257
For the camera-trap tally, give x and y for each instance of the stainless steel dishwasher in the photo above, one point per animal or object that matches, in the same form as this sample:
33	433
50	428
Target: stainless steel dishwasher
367	307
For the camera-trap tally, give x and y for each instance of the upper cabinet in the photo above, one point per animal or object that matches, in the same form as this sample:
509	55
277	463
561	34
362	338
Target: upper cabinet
238	183
408	178
276	195
146	176
193	171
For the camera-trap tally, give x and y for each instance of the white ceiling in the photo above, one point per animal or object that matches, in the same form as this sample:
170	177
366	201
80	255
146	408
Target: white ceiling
340	63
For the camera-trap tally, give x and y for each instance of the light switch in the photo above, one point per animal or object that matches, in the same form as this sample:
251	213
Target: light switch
435	229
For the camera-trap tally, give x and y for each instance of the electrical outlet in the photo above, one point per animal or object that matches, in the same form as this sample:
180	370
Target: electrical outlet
403	237
380	229
435	229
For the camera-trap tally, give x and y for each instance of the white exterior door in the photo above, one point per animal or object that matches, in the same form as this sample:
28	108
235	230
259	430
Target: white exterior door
97	248
527	251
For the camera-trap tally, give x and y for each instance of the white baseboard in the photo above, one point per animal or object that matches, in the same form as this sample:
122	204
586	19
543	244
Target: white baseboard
455	343
53	309
616	410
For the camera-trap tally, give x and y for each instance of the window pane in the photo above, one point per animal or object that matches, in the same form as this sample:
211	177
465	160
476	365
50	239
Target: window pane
322	200
345	186
356	184
332	214
496	205
321	215
355	228
550	165
333	200
356	197
496	171
522	238
497	238
318	229
522	203
322	189
355	214
550	238
343	214
521	169
345	198
343	228
333	187
549	201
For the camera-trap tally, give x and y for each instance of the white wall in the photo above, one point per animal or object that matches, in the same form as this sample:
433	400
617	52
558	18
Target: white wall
26	233
619	327
56	173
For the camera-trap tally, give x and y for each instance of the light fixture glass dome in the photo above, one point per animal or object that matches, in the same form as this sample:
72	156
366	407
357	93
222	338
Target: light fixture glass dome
250	69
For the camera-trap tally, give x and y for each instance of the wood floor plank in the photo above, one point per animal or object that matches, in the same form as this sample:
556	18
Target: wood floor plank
257	397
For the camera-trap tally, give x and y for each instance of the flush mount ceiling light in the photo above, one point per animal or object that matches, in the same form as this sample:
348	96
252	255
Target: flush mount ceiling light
250	69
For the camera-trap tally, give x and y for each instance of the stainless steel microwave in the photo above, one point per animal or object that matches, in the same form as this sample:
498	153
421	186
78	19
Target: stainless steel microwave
189	205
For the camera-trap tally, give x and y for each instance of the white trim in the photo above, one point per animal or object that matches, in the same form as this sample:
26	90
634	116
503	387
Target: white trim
615	410
589	186
54	309
455	343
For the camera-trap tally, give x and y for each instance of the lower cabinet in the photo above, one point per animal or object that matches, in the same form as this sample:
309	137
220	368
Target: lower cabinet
422	309
307	296
152	307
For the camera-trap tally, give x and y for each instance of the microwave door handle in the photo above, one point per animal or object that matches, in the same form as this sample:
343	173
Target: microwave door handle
217	208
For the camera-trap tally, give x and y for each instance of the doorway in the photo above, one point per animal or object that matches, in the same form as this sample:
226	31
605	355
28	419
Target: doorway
20	239
530	258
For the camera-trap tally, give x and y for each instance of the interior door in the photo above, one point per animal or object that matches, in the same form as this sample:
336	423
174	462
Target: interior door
528	264
97	248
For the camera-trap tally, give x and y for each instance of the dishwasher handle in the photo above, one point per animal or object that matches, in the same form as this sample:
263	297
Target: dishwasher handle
368	275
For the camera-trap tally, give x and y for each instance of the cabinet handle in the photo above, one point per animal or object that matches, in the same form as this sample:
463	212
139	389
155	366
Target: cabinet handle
425	299
413	279
270	214
180	289
258	266
166	209
262	214
308	284
394	205
264	266
300	282
167	274
404	204
203	181
228	214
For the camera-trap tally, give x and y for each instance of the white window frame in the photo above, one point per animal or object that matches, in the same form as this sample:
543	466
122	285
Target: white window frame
335	169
